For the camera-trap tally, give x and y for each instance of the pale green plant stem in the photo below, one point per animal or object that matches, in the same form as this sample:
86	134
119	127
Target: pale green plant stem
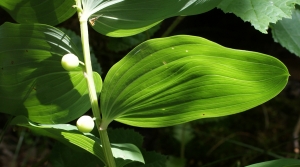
110	161
182	143
173	26
20	142
89	72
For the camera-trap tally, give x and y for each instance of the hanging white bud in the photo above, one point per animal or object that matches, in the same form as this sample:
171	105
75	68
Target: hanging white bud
69	61
85	124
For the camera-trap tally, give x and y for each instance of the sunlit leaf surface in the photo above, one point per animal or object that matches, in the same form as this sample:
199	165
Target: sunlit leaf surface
169	81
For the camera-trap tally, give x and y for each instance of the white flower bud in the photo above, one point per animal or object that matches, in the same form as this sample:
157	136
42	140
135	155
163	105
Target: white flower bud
85	124
69	61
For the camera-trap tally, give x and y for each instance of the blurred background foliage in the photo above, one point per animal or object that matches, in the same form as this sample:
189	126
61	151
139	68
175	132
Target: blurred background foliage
260	134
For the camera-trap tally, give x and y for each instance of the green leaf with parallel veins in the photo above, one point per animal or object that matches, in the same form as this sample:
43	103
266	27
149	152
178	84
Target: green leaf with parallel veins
278	163
70	136
260	13
286	32
169	81
50	12
119	18
33	83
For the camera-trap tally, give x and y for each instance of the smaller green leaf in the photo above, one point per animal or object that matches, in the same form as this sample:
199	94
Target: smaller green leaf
125	136
50	12
286	32
70	136
152	159
278	163
63	156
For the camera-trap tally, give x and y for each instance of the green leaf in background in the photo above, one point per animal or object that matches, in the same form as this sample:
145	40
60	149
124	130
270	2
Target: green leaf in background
125	43
33	82
278	163
152	159
63	156
119	18
286	32
260	13
169	81
175	162
50	12
70	136
183	133
125	136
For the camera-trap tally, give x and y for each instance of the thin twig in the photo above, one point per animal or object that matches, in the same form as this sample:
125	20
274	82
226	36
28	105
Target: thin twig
296	136
265	111
182	145
5	128
219	143
20	142
255	149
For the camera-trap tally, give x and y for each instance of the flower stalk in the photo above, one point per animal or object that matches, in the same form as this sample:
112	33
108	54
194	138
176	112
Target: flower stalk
88	73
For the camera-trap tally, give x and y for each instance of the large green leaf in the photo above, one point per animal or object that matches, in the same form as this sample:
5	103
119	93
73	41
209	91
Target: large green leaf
278	163
50	12
260	13
287	31
169	81
33	82
70	136
128	17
